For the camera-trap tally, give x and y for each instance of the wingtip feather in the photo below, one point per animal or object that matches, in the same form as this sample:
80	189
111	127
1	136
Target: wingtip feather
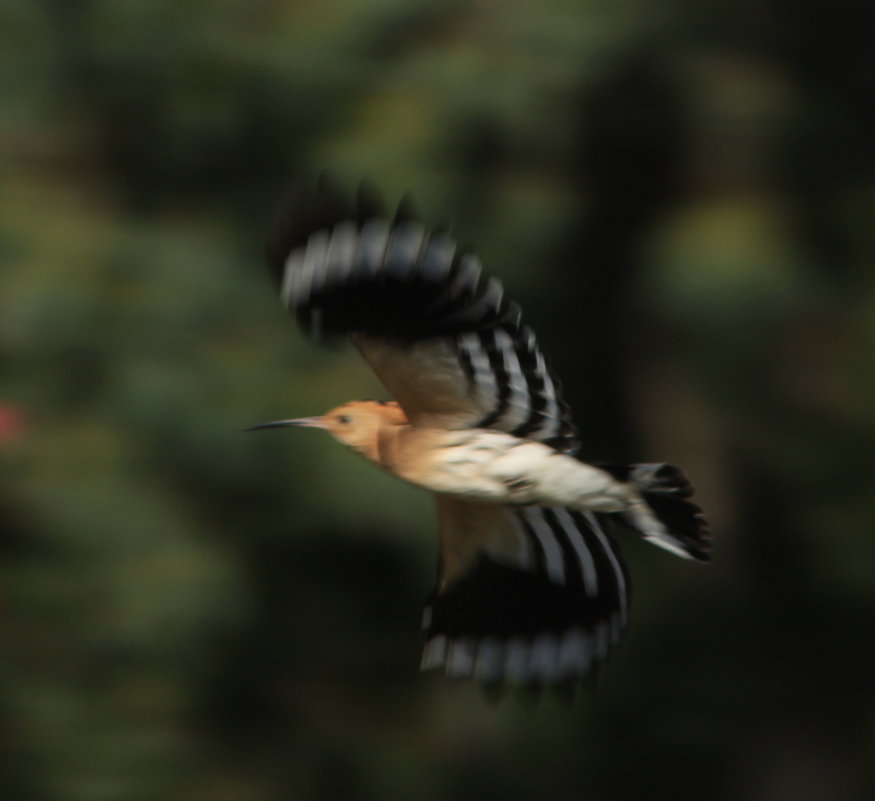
406	210
369	202
305	207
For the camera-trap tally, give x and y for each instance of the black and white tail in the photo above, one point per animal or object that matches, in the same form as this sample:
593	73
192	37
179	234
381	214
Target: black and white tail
666	517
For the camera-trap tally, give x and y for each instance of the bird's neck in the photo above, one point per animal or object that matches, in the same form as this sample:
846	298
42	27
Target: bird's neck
384	447
416	454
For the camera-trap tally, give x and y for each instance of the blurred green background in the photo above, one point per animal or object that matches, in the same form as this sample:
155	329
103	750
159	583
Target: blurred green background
680	195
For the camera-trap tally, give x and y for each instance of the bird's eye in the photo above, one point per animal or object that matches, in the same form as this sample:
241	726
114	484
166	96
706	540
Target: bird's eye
343	419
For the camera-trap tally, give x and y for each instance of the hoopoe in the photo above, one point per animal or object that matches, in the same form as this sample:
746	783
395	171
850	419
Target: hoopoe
531	588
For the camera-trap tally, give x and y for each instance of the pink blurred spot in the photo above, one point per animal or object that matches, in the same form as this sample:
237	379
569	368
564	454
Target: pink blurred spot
12	425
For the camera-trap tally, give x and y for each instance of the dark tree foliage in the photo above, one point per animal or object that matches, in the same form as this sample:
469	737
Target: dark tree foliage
680	196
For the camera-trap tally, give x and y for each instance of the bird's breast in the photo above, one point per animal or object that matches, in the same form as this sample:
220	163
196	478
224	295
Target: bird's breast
479	464
496	467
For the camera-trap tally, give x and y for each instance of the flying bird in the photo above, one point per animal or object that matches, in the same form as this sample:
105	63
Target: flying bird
531	588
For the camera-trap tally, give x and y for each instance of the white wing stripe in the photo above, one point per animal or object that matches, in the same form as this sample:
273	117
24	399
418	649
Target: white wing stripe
485	385
545	658
615	564
403	250
469	274
587	563
518	403
435	652
554	562
490	656
313	271
553	415
460	658
292	278
372	244
436	258
575	653
340	255
516	658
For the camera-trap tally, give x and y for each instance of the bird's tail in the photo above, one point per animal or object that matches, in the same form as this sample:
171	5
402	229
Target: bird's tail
664	515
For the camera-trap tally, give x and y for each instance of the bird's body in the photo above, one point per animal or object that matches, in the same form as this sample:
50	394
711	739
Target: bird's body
476	464
531	588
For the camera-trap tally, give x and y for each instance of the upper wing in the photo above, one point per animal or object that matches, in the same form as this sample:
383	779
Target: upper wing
442	338
530	596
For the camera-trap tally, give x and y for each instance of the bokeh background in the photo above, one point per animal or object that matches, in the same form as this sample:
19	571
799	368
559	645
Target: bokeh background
681	196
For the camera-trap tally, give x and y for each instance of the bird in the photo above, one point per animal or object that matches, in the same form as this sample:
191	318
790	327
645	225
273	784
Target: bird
531	588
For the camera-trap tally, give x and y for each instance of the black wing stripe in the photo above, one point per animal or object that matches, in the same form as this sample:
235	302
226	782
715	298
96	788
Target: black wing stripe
484	384
316	261
402	254
372	244
546	419
500	379
311	279
449	290
460	657
554	558
291	280
483	309
490	657
436	258
557	417
340	255
573	573
567	545
467	276
464	356
576	653
538	400
516	660
519	402
543	658
617	569
313	255
539	561
575	534
435	652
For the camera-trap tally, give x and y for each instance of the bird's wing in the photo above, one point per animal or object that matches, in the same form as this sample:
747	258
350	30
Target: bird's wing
532	596
442	338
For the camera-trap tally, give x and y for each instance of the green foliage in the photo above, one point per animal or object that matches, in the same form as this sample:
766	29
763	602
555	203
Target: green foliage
680	197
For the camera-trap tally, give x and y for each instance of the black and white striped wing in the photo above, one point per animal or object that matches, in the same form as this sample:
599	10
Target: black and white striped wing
444	340
538	601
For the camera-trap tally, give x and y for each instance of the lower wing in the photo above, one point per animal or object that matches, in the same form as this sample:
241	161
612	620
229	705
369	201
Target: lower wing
528	596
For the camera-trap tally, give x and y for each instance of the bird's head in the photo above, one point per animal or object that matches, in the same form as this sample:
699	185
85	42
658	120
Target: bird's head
355	424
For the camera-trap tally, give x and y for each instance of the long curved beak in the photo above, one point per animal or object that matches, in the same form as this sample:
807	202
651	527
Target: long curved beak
302	422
